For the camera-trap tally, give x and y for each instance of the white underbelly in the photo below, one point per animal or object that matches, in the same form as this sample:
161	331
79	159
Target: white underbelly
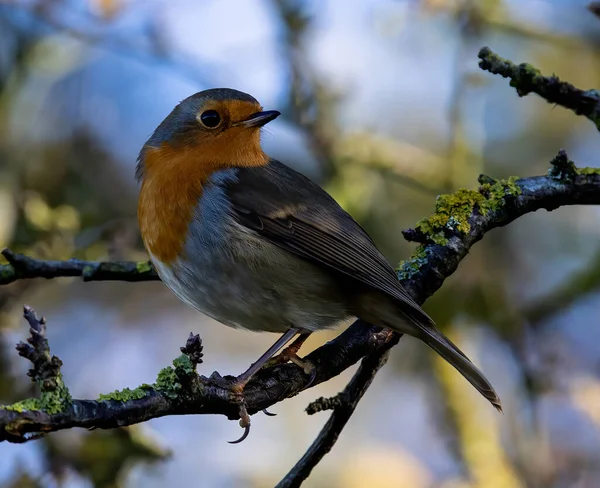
271	292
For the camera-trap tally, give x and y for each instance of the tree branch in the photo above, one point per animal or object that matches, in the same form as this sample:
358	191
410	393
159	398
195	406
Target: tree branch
527	79
460	221
562	169
21	267
343	406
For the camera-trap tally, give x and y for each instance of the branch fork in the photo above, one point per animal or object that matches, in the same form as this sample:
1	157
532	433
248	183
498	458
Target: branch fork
460	220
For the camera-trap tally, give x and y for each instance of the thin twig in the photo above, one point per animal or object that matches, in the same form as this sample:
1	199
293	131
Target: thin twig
526	79
562	172
180	391
343	410
21	267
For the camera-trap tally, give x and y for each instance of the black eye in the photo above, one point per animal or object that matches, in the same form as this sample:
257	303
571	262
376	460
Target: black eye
210	118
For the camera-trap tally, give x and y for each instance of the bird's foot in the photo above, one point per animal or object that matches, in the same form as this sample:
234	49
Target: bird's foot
309	369
289	355
244	423
236	387
291	350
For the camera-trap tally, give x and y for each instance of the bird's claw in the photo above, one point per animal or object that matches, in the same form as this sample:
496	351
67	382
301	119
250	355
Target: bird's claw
313	374
244	424
308	368
269	414
290	355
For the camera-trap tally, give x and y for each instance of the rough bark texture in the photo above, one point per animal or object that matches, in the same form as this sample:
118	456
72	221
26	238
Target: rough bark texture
459	221
179	390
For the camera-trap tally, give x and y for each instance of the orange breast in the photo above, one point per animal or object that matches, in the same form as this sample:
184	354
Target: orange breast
172	184
170	192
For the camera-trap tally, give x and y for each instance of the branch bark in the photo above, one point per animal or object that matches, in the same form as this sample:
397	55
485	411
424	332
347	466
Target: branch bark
22	267
460	220
180	391
526	79
343	406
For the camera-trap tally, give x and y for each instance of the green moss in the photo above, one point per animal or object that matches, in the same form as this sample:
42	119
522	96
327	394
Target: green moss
167	383
56	398
528	76
143	267
184	363
452	213
407	269
496	193
127	394
169	379
565	170
588	171
24	405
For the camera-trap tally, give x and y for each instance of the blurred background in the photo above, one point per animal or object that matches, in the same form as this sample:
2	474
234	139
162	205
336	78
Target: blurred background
384	105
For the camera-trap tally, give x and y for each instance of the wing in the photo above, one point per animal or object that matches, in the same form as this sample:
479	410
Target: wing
297	215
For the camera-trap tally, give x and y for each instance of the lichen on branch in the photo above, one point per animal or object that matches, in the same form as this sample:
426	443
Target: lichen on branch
54	395
453	211
460	219
527	79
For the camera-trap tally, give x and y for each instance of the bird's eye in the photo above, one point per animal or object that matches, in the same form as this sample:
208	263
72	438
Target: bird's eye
210	119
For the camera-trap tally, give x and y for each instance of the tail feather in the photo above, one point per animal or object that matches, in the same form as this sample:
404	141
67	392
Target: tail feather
451	353
378	309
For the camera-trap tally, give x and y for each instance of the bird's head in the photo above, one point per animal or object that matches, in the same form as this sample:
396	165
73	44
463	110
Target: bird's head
212	130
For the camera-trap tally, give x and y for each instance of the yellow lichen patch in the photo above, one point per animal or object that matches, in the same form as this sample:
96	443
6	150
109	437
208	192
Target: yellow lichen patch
588	171
452	212
127	394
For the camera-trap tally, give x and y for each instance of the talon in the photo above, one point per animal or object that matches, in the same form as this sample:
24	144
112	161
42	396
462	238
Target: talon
307	367
244	423
313	376
269	414
244	435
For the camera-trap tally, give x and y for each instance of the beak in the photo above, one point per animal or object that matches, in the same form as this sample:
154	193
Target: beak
259	119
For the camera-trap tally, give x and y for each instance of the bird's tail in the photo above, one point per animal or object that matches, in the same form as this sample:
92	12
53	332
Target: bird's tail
451	353
379	310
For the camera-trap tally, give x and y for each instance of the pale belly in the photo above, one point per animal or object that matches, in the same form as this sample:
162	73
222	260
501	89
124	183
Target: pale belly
247	283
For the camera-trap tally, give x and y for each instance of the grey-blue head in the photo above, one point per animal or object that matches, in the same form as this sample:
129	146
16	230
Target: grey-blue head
206	114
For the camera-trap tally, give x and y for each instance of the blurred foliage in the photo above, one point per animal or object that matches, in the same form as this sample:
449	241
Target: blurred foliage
104	457
66	191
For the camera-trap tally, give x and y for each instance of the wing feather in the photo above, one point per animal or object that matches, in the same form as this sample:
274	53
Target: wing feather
295	214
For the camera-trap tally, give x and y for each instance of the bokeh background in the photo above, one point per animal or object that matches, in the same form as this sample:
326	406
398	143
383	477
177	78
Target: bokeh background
384	105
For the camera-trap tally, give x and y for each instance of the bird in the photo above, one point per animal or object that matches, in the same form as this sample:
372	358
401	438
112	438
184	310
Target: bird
256	245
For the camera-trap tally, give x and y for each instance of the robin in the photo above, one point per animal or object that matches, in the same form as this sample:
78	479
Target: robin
255	245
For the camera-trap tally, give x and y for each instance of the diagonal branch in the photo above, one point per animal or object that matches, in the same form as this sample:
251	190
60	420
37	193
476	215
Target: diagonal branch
459	222
562	169
438	257
343	406
526	79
